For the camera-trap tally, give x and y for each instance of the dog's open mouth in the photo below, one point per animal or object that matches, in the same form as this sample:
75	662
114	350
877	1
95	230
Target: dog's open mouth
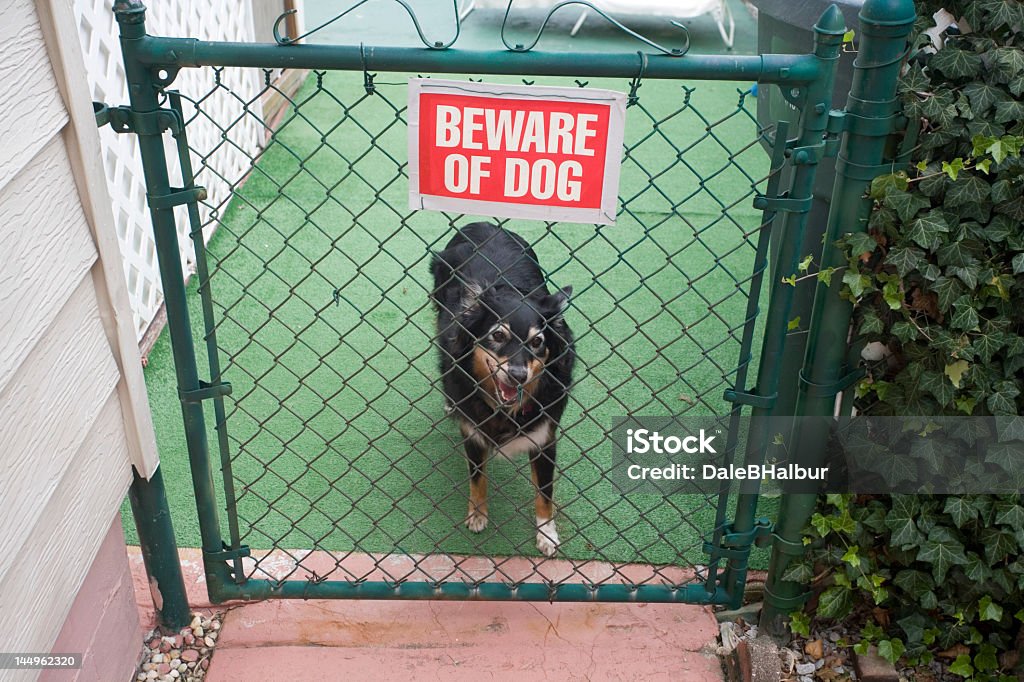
507	393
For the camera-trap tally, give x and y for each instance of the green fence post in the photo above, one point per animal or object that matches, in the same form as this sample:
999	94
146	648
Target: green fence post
149	122
159	550
805	155
885	26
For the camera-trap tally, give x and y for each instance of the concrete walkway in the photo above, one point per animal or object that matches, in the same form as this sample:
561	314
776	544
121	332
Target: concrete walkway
391	640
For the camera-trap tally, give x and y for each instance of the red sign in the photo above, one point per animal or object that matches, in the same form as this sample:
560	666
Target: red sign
515	151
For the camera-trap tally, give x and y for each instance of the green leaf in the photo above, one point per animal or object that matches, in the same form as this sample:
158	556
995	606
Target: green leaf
1009	514
883	184
1001	400
1002	190
989	610
964	316
915	583
1003	13
901	522
906	204
1009	111
953	168
956	63
891	649
871	323
960	510
857	282
904	331
1005	63
962	666
905	259
806	263
976	569
1018	263
793	324
955	371
836	602
998	544
983	96
943	551
799	572
925	229
892	294
986	659
800	623
968	189
851	557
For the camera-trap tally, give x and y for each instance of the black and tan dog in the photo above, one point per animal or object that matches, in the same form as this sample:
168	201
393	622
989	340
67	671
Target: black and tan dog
506	360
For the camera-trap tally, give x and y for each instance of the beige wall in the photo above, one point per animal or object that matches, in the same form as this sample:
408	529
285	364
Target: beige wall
72	399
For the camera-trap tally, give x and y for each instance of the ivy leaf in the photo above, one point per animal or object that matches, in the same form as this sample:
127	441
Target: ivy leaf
799	572
904	331
960	510
976	569
1003	13
962	666
1001	401
915	583
964	316
983	96
901	522
989	610
943	551
905	204
968	189
925	229
999	544
986	659
891	649
1011	515
836	602
883	184
1009	111
956	63
953	168
938	386
1005	63
906	259
1002	190
860	243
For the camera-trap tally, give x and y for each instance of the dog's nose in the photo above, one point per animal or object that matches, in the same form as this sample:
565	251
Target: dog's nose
517	374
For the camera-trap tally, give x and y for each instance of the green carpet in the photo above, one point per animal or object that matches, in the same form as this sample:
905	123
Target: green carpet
336	432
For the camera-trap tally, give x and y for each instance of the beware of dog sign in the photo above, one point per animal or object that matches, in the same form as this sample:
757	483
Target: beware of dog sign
515	151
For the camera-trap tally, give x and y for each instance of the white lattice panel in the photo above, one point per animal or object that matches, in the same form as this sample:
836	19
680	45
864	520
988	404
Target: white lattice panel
236	105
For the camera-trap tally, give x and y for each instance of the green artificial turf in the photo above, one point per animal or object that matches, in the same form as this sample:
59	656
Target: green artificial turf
336	432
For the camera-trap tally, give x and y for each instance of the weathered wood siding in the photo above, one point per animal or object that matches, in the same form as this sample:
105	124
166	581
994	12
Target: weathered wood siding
75	417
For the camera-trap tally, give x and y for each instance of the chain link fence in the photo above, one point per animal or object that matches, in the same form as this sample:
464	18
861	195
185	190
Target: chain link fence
335	436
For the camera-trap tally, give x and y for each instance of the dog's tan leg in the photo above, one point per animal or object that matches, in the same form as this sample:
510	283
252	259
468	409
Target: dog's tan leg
542	470
476	516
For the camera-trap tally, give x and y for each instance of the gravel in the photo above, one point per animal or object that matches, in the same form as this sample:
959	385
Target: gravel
182	656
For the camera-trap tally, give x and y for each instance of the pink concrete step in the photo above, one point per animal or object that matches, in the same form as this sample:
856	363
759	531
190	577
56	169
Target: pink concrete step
388	640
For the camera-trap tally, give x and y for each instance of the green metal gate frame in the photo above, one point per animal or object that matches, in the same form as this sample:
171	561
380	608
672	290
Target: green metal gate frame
858	135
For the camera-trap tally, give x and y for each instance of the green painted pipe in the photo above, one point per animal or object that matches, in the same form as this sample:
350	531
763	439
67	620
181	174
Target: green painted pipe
159	550
142	93
885	26
828	40
578	592
189	52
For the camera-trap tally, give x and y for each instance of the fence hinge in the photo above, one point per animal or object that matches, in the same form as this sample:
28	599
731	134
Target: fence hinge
124	119
228	554
177	197
782	203
765	402
814	390
735	545
205	392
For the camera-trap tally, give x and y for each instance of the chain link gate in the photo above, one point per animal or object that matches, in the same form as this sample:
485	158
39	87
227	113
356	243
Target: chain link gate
313	300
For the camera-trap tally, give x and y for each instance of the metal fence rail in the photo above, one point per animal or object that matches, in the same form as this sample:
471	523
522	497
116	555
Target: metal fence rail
314	301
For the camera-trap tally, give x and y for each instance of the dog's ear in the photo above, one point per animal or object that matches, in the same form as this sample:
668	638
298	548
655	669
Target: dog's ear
471	293
556	303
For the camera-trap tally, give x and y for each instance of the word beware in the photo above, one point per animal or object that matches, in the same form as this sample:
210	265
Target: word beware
515	151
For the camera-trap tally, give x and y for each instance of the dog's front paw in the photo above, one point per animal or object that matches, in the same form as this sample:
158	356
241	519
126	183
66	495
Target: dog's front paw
547	537
476	519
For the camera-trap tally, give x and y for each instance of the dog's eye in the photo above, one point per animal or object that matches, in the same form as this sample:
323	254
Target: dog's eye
537	341
499	336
